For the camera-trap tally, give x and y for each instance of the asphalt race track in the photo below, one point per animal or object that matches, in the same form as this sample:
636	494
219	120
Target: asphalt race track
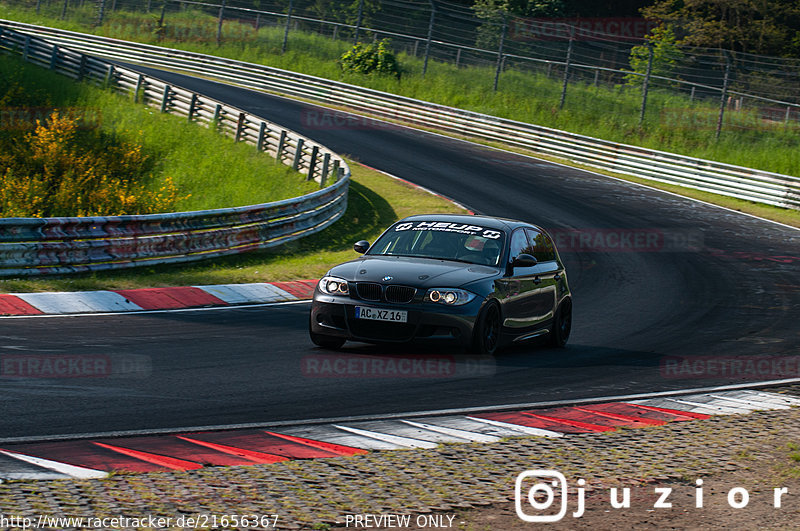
693	280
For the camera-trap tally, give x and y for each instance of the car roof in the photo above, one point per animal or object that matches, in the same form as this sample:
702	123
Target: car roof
484	221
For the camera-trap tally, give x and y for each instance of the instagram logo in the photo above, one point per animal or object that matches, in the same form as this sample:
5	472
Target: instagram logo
548	489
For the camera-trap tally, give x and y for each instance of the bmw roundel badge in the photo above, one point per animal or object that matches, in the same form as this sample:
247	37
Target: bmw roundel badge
387	278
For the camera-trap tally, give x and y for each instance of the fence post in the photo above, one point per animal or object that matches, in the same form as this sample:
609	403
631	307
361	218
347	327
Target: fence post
288	21
786	116
38	6
281	144
326	160
566	73
428	40
262	133
335	171
646	84
724	95
165	99
313	163
458	58
359	20
101	11
149	6
219	22
500	52
64	10
298	155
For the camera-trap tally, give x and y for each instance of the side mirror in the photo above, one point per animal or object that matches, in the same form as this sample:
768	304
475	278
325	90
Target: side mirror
523	260
361	246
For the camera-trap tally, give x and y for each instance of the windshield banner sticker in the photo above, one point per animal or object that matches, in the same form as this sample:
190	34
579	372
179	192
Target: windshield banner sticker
444	226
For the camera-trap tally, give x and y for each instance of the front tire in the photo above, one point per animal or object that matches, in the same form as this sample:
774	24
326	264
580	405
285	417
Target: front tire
486	336
328	342
562	325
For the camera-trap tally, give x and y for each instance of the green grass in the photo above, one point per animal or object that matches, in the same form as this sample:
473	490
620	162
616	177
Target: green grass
375	201
209	168
673	122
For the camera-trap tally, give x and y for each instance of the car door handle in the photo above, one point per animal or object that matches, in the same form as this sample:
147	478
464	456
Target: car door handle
557	277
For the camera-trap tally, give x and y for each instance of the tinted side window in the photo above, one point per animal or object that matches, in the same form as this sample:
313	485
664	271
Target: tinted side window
519	245
543	249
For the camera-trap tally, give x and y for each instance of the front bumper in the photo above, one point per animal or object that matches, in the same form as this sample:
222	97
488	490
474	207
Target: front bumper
334	316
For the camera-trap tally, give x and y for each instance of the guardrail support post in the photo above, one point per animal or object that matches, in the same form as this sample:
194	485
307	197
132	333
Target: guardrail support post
139	82
335	171
109	75
192	105
82	68
313	163
26	48
326	160
239	127
262	133
54	58
216	117
281	145
165	99
298	155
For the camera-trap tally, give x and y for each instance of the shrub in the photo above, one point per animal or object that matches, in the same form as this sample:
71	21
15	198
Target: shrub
369	59
59	170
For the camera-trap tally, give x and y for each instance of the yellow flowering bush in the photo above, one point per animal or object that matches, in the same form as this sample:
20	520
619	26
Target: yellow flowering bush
61	169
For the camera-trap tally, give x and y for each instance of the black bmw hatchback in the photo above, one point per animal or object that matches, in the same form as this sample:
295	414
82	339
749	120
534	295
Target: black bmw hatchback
475	281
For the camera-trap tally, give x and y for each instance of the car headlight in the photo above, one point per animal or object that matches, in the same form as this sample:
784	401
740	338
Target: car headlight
449	296
334	286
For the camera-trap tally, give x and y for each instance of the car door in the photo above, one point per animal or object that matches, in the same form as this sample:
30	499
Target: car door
547	273
519	290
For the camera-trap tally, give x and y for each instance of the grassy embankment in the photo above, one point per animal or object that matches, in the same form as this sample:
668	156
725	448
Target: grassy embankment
227	174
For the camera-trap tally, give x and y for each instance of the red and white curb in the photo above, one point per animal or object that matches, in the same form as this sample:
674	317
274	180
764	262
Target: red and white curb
95	457
149	299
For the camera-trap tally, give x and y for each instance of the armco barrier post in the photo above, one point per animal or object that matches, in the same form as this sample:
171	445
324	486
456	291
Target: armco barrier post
326	159
281	145
298	155
239	127
192	105
262	134
165	99
54	58
313	163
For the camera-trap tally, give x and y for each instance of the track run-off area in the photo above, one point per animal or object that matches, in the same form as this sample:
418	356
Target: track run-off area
669	294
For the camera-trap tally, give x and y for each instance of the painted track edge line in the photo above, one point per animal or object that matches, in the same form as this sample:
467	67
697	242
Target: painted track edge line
390	416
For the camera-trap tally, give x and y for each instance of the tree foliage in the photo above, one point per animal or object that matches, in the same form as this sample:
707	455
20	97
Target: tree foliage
666	55
767	27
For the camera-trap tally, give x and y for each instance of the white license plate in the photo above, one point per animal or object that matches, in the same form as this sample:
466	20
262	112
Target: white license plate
374	314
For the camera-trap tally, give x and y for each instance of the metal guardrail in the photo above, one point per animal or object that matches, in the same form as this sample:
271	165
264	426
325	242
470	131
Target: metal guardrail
709	176
35	246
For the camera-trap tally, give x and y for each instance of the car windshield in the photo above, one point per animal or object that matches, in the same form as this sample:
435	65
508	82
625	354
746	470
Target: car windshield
461	242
